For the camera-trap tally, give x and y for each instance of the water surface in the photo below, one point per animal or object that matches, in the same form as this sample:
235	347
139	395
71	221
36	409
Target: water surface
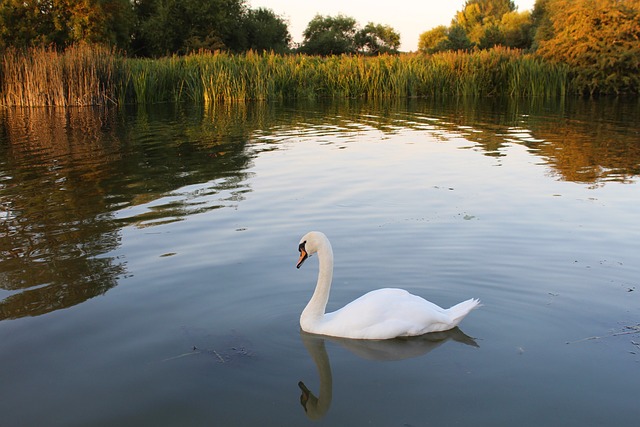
147	273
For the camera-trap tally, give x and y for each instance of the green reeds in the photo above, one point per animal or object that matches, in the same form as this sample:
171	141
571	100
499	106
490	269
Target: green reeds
90	75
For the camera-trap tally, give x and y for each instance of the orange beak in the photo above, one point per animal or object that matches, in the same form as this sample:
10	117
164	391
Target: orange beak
303	257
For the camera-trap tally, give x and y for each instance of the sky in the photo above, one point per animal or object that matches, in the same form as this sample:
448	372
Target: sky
410	18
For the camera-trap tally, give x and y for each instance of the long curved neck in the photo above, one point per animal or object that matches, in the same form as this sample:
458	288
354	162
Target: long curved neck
316	306
317	407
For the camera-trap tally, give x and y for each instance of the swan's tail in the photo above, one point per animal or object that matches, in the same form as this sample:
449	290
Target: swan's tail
459	311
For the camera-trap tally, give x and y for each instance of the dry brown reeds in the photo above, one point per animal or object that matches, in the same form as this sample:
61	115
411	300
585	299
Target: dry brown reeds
81	75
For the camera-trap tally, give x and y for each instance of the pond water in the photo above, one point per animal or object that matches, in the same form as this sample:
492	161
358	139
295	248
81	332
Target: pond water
147	274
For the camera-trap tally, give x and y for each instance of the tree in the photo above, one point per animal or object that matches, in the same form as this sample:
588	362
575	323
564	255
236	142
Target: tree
598	40
481	21
327	35
490	36
434	40
149	27
541	26
377	38
516	29
264	30
26	24
444	38
182	26
482	24
458	39
63	22
480	12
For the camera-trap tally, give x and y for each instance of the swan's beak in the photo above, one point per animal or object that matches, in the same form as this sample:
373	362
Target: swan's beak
303	257
304	397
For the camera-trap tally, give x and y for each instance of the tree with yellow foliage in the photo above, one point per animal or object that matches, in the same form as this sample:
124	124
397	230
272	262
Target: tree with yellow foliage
481	24
482	21
598	39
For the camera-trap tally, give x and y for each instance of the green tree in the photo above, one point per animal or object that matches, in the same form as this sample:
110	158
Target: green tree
26	24
63	22
444	38
541	26
329	35
458	39
598	39
377	38
516	29
490	35
264	30
182	26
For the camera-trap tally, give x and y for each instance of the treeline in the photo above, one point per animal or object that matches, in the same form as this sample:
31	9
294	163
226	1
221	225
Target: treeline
593	44
155	28
143	27
598	39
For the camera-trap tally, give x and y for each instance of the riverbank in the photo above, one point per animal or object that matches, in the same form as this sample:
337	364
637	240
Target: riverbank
85	75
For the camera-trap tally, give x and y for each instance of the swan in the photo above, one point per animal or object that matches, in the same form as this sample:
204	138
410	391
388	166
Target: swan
378	315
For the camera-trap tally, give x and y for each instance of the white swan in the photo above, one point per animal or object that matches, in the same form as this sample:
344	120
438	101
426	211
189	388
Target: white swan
380	314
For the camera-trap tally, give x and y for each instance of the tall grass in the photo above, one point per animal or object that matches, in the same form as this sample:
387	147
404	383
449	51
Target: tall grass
84	75
80	75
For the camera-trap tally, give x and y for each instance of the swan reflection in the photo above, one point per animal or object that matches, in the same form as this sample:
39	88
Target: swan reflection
316	407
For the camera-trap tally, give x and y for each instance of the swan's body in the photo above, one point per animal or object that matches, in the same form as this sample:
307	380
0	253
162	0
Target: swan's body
380	314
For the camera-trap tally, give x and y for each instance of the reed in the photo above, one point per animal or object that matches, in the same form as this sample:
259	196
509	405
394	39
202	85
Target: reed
81	75
91	75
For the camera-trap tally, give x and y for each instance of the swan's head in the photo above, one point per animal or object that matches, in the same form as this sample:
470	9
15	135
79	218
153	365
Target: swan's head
309	245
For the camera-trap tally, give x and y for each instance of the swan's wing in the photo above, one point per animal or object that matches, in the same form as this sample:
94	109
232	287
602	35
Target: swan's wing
386	313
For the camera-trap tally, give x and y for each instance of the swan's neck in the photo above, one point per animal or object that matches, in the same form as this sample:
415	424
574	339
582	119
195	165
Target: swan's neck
314	311
317	407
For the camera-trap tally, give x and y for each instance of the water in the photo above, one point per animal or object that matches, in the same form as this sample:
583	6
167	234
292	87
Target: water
147	273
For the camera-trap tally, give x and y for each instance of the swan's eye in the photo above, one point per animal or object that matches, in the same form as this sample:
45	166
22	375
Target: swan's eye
301	247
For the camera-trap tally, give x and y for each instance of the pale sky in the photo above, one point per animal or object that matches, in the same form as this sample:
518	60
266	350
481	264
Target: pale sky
408	17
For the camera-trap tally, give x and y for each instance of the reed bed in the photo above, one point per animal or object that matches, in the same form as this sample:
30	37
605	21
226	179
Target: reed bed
81	75
89	75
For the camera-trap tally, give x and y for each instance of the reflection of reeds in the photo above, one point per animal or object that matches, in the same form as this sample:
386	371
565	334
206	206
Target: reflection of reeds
84	75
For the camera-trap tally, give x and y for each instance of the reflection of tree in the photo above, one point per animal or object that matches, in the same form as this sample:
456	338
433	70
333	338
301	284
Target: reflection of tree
581	140
65	173
68	283
54	222
181	162
591	142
